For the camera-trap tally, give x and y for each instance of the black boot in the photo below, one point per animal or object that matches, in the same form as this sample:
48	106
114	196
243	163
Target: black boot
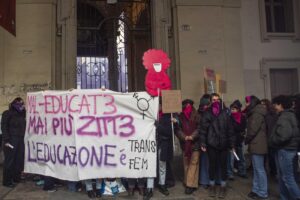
189	190
163	189
148	194
91	194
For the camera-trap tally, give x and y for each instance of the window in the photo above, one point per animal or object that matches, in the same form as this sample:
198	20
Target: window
279	19
279	16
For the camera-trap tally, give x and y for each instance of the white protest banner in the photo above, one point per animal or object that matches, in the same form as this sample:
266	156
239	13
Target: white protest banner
84	134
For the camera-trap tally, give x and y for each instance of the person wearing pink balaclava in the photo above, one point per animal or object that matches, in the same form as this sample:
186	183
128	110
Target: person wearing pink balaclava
189	141
216	138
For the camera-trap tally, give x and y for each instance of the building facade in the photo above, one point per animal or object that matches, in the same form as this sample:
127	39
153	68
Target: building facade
60	45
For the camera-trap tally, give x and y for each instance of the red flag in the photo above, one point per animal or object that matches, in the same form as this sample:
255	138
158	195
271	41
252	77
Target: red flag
8	15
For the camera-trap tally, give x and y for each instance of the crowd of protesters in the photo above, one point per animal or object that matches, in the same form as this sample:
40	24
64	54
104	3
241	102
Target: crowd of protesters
213	140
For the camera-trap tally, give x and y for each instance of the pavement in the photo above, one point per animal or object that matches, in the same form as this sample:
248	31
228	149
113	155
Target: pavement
237	190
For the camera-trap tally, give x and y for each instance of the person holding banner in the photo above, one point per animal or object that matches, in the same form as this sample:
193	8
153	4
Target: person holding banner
216	137
189	141
13	125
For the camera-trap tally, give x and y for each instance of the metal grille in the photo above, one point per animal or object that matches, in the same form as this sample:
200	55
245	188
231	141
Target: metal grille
105	40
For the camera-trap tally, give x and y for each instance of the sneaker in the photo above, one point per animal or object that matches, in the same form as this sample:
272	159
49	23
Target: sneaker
212	191
222	193
252	195
40	183
51	190
91	194
163	189
148	194
231	178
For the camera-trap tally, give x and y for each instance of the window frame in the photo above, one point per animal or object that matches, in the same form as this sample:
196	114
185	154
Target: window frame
268	36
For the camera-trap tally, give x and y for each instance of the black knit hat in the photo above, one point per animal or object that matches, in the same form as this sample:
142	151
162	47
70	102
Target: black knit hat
236	104
187	101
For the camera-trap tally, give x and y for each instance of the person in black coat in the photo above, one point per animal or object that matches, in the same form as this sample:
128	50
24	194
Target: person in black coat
13	125
271	119
285	138
217	138
165	148
239	127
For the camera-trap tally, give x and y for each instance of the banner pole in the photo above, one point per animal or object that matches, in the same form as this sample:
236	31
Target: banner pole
222	96
173	133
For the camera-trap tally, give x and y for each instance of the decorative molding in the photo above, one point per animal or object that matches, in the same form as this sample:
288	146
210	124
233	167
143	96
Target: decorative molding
36	1
223	3
276	63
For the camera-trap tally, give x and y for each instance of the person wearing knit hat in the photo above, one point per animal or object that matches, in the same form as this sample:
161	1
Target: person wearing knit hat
189	141
239	127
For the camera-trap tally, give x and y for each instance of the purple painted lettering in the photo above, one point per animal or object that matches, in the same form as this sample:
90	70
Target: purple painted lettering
108	154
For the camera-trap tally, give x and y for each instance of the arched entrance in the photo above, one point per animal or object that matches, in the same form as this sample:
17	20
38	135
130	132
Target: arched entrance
111	39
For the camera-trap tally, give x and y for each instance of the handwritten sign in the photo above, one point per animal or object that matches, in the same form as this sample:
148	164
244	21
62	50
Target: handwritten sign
171	101
222	86
209	74
84	134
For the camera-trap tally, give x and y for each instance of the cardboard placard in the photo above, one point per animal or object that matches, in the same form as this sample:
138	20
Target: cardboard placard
171	101
209	74
222	86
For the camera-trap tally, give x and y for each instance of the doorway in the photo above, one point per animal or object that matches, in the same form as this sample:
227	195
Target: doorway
111	40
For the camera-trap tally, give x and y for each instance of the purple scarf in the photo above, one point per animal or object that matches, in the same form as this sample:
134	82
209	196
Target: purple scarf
216	108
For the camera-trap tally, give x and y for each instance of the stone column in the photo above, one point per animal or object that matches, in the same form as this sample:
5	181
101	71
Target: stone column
2	61
163	35
67	44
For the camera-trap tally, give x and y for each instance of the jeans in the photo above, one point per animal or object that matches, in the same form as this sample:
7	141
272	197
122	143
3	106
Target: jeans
230	164
150	183
260	181
162	171
89	184
204	178
72	186
242	162
288	187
